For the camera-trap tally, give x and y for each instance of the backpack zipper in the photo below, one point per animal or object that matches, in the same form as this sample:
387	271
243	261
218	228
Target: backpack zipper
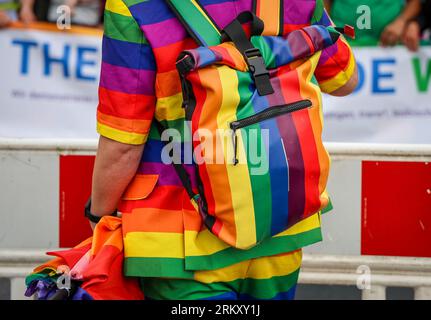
262	116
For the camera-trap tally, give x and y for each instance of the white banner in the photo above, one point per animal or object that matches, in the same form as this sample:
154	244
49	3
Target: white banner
392	103
48	89
48	82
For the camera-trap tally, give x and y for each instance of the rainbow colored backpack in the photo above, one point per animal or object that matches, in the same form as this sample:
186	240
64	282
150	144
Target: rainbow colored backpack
254	111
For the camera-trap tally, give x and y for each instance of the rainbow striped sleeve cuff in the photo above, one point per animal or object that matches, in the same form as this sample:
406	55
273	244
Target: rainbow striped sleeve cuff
338	69
337	62
126	90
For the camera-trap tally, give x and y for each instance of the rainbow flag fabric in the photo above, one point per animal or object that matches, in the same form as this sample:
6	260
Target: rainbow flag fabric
94	269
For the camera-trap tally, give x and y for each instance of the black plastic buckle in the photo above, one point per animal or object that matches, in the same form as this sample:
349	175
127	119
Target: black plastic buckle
255	62
258	70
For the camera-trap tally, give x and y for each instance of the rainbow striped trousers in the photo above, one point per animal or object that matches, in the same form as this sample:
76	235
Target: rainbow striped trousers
265	278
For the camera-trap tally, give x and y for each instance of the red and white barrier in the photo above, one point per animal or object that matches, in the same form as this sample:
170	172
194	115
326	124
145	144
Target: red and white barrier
381	196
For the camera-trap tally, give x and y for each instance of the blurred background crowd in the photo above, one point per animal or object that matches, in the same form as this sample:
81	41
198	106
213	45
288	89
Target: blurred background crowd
390	22
384	22
83	12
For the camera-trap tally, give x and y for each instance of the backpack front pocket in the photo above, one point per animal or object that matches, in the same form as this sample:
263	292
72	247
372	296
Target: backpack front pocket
267	114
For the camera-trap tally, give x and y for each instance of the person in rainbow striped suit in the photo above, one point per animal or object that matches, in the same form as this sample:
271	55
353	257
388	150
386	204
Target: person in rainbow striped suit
165	244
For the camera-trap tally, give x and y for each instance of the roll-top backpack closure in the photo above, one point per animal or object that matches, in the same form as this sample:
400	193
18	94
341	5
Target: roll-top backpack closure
234	32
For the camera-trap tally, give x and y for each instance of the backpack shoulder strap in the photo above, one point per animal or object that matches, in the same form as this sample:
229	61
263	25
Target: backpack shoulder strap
197	22
272	14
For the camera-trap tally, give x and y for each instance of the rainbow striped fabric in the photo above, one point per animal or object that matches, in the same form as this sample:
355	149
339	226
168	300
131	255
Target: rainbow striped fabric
245	203
266	278
163	233
96	264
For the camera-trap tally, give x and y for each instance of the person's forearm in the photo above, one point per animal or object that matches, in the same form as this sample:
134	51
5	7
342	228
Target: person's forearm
27	4
26	13
411	10
115	166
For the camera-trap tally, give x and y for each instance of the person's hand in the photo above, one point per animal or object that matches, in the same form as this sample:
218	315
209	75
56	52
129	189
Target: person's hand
391	35
411	36
71	4
4	20
27	15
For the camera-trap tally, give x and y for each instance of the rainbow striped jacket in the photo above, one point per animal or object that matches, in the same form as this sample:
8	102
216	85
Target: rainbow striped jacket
163	234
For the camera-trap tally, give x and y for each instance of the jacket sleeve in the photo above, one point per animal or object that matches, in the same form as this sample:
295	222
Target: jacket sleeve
126	90
337	62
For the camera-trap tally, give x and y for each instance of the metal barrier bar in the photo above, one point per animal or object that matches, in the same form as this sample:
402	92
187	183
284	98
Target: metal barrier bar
414	152
316	269
376	263
423	293
384	272
58	145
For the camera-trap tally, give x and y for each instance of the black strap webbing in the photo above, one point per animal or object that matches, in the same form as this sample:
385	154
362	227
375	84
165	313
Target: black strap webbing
235	32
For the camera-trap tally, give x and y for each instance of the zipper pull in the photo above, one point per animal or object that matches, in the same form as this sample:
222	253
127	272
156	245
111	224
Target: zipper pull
235	148
234	143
